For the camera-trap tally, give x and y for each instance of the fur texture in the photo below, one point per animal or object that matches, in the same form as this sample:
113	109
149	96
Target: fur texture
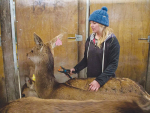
37	105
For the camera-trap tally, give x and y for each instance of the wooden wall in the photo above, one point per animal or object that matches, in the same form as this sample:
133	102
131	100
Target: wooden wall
130	20
47	19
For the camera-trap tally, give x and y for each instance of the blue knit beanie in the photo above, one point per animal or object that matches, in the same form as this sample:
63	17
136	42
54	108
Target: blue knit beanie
100	16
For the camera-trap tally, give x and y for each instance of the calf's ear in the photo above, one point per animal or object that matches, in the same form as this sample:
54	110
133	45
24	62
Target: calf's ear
56	41
38	40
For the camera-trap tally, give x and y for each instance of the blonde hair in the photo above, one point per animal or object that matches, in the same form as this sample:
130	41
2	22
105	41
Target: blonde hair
106	31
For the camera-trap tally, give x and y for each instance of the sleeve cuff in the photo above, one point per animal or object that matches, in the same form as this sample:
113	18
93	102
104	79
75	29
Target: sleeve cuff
102	81
76	70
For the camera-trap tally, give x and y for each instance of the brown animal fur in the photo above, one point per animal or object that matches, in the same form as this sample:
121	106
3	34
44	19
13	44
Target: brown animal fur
28	89
37	105
76	89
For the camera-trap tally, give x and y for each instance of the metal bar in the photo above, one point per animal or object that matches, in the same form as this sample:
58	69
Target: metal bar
87	27
143	39
77	37
12	12
148	70
87	17
71	37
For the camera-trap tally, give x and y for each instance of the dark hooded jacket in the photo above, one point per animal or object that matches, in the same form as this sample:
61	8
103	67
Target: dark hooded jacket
93	58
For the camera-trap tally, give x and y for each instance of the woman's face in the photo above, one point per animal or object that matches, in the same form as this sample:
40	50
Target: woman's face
96	27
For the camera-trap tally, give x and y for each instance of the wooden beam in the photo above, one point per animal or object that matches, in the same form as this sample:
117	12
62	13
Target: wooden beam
12	92
148	72
82	31
2	80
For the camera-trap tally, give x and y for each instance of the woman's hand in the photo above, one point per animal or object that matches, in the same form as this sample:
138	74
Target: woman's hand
94	86
71	71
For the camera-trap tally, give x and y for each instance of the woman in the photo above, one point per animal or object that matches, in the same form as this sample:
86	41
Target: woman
101	51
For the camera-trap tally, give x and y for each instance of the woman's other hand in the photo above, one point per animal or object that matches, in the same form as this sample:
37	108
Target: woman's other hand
94	86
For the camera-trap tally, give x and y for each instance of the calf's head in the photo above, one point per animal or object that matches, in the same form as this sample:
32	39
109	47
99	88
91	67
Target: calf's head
41	53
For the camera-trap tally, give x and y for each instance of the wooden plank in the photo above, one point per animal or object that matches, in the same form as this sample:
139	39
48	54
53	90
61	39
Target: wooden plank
7	47
2	81
148	73
130	21
2	78
3	98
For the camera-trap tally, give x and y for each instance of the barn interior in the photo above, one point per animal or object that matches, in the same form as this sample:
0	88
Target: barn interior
20	19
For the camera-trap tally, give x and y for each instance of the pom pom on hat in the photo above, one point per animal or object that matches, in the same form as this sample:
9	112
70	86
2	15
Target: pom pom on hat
100	16
104	8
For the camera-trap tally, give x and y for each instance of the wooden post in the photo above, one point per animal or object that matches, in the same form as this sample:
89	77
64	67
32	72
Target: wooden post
82	31
12	91
148	72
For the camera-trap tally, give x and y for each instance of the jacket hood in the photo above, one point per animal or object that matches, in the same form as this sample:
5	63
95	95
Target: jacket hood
108	37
